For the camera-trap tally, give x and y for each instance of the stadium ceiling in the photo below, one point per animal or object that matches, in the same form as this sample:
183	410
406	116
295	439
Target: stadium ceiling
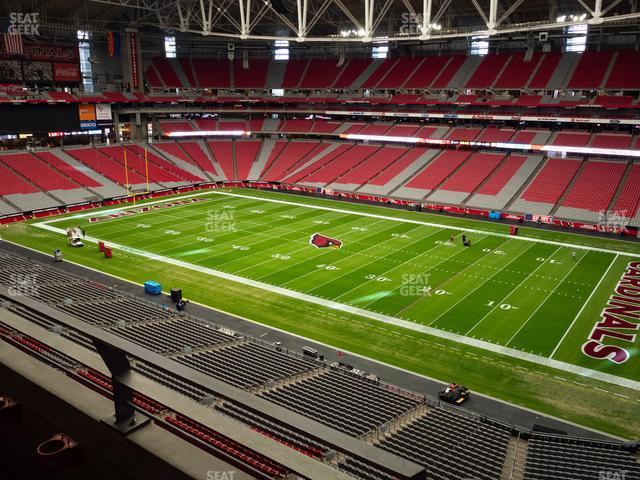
345	20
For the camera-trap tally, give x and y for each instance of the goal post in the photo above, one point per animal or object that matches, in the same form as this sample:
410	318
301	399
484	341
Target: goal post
127	185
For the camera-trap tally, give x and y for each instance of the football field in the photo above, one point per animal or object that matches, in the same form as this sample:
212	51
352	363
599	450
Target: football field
531	298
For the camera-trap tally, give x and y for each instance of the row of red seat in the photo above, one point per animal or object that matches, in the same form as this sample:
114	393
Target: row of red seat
588	185
231	447
500	71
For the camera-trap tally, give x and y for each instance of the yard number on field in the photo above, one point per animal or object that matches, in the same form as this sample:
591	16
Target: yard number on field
502	306
377	278
324	266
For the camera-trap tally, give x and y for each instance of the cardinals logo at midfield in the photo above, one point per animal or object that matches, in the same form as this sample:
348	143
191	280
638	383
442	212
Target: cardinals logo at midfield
321	241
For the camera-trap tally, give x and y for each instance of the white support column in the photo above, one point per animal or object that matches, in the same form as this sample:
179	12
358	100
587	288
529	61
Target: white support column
303	8
427	5
206	16
244	22
493	13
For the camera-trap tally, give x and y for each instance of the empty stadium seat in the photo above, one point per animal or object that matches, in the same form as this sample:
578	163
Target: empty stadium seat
551	181
595	185
438	169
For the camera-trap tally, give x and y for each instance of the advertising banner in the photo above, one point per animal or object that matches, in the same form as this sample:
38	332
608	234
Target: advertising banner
66	72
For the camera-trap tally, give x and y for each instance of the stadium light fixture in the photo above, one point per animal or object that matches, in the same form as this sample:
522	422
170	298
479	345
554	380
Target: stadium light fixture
618	152
210	133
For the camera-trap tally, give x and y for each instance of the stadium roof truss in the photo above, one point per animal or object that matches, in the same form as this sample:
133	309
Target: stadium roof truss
371	21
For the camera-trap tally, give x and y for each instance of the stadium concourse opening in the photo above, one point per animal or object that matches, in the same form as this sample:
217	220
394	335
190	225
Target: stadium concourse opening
295	240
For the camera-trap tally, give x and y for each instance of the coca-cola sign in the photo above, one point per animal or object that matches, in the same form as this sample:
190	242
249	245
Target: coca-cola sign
66	72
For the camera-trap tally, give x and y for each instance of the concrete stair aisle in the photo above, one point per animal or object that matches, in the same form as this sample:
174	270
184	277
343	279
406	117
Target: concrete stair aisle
270	124
335	183
109	188
389	70
418	65
319	166
374	174
465	72
304	72
618	192
502	70
564	71
31	201
311	158
266	147
8	208
443	182
405	176
178	162
569	187
444	67
275	74
419	194
207	151
515	184
515	459
367	72
535	70
79	195
275	160
177	67
487	178
608	71
524	186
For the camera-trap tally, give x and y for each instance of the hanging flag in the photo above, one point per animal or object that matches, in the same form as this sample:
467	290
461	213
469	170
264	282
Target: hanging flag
13	44
113	44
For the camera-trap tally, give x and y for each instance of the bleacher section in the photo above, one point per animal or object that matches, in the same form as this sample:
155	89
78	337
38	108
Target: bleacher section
500	71
557	457
504	182
592	191
546	189
51	178
446	442
628	203
433	175
342	400
467	178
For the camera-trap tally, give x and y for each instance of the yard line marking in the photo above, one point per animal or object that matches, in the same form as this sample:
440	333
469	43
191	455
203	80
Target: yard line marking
481	284
233	234
510	352
393	268
372	261
446	281
306	246
584	305
504	299
431	224
321	254
259	237
364	214
545	301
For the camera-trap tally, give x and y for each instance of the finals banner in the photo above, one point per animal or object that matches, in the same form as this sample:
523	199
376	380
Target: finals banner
133	50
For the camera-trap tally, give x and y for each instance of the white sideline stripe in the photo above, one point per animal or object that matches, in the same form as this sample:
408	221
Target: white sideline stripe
548	362
584	305
362	214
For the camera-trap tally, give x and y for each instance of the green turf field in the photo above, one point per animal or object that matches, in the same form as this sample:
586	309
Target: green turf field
528	300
